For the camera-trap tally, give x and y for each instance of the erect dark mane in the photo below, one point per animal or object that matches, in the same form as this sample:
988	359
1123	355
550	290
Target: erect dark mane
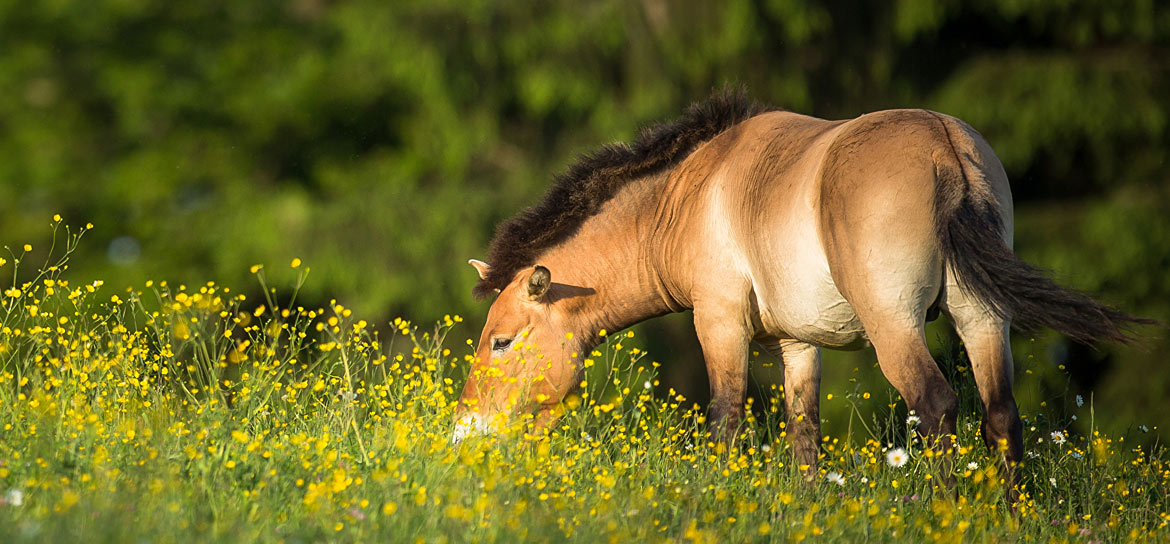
596	177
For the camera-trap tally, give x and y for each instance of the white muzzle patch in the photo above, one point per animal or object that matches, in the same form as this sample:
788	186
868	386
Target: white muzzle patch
471	425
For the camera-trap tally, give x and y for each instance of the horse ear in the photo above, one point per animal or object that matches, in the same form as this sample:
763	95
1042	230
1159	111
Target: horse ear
481	267
538	282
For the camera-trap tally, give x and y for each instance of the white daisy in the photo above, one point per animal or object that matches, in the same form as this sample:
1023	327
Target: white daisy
15	497
913	420
835	477
897	457
1080	401
1057	437
972	465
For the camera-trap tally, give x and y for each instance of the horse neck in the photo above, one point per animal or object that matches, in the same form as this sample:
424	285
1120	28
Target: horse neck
610	255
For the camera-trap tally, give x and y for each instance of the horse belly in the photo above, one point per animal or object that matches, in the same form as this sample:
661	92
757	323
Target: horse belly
809	308
794	288
834	324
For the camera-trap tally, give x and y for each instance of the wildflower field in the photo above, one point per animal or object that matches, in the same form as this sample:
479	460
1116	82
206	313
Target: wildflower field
167	412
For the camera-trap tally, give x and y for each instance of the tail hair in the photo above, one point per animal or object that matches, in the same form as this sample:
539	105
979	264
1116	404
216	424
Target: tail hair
972	244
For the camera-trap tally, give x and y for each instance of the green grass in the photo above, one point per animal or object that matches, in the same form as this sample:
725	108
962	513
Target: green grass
173	413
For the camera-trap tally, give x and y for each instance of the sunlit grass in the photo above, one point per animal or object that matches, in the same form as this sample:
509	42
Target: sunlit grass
173	412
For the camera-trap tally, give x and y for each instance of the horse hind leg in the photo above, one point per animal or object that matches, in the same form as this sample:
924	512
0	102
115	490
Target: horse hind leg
891	288
906	362
884	257
986	338
892	304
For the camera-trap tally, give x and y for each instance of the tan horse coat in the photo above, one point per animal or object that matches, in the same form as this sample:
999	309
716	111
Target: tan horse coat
797	233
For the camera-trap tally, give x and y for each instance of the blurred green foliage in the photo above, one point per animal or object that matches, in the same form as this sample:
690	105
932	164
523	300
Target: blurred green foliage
382	141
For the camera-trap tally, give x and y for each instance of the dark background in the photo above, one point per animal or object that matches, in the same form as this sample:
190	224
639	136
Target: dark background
382	141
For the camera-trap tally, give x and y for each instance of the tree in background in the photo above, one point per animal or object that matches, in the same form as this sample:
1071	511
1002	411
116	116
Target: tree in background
382	141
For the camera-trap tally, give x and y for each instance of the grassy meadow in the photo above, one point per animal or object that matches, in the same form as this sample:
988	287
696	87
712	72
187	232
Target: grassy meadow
165	412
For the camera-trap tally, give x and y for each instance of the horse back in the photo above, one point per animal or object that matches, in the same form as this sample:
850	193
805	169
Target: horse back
766	213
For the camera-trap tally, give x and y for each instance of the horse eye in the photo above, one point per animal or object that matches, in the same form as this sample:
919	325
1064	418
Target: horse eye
501	344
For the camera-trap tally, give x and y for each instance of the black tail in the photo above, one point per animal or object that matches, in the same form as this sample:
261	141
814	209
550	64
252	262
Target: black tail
970	232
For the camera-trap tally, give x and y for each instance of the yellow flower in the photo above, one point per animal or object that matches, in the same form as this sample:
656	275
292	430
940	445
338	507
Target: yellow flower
69	498
296	263
28	247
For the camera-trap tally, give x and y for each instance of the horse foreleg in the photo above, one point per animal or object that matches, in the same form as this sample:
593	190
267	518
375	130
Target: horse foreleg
724	337
802	386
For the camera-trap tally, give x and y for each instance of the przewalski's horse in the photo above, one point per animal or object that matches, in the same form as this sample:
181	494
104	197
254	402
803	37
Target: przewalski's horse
788	230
